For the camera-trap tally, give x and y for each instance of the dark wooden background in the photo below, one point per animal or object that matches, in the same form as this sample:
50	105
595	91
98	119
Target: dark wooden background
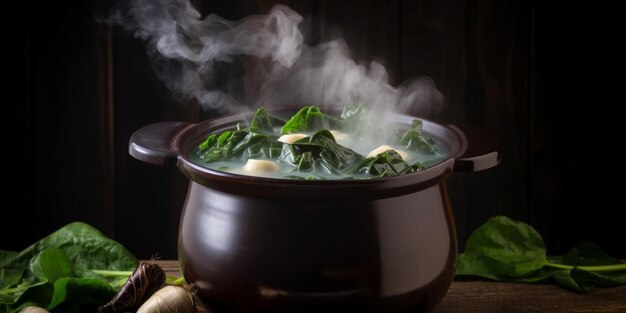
542	76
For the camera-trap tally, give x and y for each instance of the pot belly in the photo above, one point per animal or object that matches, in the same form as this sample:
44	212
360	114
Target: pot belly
270	255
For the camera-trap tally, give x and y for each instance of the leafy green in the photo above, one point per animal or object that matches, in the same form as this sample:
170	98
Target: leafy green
305	162
586	253
331	156
84	245
388	163
316	156
4	254
72	293
506	250
352	111
414	139
52	264
308	119
240	144
352	116
56	272
263	122
9	277
505	247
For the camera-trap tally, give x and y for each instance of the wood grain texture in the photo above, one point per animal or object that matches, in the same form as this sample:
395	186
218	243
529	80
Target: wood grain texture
488	297
513	298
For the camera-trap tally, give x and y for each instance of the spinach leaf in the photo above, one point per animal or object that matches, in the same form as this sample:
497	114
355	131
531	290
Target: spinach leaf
9	277
352	116
504	247
36	293
505	250
308	119
86	247
241	144
217	148
388	163
331	156
305	162
10	287
414	139
263	122
65	259
71	294
257	146
352	111
316	156
580	280
52	264
4	254
587	253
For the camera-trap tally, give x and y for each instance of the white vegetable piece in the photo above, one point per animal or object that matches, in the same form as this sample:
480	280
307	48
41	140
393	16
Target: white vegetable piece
384	148
169	299
33	309
260	166
339	136
291	138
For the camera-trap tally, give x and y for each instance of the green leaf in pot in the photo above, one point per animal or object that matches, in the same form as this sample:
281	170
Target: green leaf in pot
331	156
305	162
308	119
352	116
414	139
309	130
264	123
241	144
388	163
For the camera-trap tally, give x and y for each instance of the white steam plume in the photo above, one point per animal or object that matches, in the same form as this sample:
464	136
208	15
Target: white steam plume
187	49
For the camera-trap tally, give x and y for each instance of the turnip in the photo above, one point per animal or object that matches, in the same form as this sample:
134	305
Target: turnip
33	309
170	299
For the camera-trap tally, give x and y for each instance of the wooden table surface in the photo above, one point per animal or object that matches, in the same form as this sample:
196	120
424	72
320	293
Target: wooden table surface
486	297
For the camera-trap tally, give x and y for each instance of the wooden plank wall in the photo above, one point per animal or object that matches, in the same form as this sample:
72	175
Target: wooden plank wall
502	65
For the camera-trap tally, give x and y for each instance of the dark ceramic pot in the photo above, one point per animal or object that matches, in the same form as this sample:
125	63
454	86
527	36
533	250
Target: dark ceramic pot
253	244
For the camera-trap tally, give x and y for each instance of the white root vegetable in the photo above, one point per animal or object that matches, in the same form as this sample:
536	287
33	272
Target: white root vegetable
291	138
33	309
260	166
339	136
384	148
169	299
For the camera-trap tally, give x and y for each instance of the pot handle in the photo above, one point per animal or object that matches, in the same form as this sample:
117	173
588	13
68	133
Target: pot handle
482	149
154	143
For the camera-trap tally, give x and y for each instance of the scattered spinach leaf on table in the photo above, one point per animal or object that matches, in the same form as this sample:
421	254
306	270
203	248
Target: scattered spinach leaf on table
56	272
506	250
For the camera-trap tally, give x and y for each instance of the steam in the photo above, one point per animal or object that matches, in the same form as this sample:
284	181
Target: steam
281	70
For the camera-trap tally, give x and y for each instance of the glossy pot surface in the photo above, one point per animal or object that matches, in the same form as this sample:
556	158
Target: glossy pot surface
254	244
